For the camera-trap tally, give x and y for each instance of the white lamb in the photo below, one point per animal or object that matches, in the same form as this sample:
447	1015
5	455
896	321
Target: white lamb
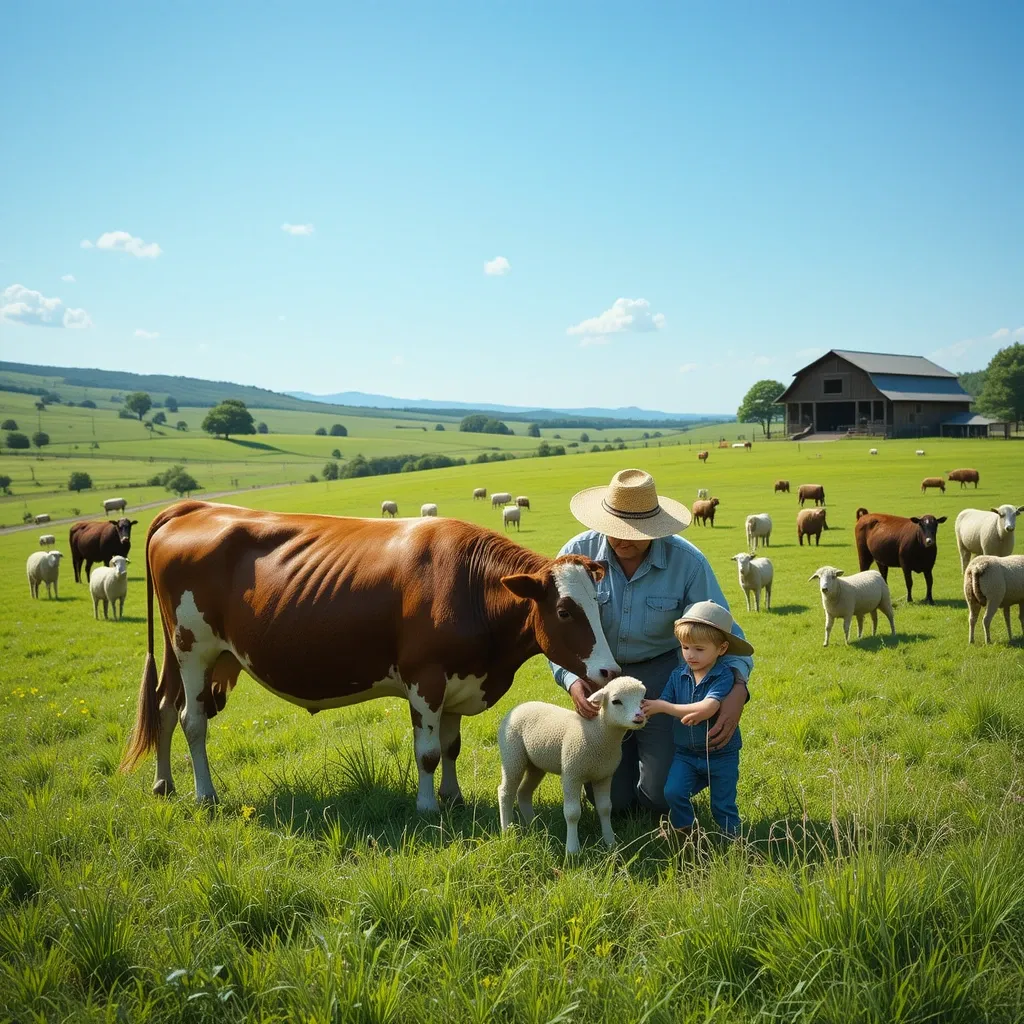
873	451
47	540
109	584
997	583
861	594
43	567
759	528
985	533
756	574
430	509
536	738
703	492
500	498
920	451
511	514
389	508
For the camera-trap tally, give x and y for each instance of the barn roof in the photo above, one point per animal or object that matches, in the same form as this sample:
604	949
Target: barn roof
968	419
887	362
898	387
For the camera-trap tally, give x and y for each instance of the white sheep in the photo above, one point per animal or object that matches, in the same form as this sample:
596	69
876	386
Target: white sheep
47	540
858	595
500	498
998	583
43	517
43	567
114	504
109	584
389	508
873	451
985	533
920	451
703	492
429	509
511	514
759	528
756	574
523	501
479	492
537	738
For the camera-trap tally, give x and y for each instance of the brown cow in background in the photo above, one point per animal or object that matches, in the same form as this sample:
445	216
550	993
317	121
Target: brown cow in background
892	541
965	477
99	542
808	492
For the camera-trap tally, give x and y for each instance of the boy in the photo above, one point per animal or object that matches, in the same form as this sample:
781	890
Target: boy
692	696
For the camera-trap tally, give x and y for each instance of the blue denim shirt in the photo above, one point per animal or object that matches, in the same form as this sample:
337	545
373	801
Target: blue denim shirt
637	614
681	688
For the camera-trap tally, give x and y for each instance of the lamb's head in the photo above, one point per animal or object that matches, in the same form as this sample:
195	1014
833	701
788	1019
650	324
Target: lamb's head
743	561
828	580
54	557
119	564
1008	514
620	701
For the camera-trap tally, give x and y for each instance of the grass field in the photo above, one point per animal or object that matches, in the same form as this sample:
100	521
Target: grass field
881	789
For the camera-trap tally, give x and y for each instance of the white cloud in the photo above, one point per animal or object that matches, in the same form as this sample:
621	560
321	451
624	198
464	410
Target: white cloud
687	367
398	360
21	305
70	278
122	241
146	335
297	229
624	315
498	267
1005	332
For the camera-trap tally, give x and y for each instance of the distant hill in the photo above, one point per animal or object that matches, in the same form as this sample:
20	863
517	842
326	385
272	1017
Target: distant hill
360	399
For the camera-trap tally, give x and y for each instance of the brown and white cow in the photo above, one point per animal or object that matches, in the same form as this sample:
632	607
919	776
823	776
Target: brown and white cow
327	611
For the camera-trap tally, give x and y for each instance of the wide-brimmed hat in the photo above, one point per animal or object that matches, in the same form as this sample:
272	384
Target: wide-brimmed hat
630	508
710	614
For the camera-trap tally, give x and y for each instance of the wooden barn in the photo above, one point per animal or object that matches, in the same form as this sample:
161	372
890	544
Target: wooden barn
871	392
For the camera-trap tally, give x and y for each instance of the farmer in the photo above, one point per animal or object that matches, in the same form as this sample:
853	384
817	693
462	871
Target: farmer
652	577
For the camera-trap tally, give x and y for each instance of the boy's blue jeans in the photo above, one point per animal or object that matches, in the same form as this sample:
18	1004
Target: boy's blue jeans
690	773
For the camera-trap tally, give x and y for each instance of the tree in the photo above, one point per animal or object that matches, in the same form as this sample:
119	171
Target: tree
9	425
473	424
159	418
337	430
79	482
1003	394
320	432
5	484
182	483
585	437
15	439
759	405
139	403
439	426
40	406
262	428
533	430
87	403
40	438
973	382
330	471
171	404
230	417
181	425
336	453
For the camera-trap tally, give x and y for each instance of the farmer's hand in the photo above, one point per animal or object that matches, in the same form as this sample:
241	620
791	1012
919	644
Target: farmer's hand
728	715
580	691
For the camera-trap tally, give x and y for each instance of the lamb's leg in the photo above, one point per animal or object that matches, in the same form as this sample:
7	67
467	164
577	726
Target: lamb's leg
746	596
571	787
829	623
972	618
511	773
990	614
768	597
603	803
1009	628
104	608
965	555
757	599
451	744
847	622
860	626
96	608
874	622
524	796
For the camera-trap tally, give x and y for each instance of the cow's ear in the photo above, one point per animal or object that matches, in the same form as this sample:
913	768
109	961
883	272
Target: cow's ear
525	585
598	570
914	519
941	519
135	522
113	522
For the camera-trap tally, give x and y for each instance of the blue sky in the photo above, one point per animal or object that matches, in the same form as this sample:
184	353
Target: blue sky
675	200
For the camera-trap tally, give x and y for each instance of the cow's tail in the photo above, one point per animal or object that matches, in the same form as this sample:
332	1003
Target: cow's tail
972	589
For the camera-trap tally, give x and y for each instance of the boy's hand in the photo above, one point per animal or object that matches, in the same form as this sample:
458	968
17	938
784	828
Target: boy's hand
650	707
693	718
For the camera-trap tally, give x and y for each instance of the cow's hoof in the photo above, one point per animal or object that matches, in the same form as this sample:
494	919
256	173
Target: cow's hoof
163	787
452	800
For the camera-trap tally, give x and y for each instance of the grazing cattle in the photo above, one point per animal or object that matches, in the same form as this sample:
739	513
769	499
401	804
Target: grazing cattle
389	508
809	523
43	517
893	541
326	612
811	492
500	499
47	540
428	509
523	501
479	492
933	481
705	510
965	477
748	445
114	505
782	485
99	542
511	514
702	456
862	511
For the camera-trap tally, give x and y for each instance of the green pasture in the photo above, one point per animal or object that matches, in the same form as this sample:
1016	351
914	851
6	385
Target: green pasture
883	801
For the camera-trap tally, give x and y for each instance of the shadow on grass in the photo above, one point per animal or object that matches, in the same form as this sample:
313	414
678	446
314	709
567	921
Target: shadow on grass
788	609
874	643
261	446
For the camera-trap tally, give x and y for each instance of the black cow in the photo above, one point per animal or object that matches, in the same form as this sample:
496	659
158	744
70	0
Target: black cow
99	542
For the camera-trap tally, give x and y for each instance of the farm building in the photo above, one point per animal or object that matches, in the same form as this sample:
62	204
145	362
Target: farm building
877	393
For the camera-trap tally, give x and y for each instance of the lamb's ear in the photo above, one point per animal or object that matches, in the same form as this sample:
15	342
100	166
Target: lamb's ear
840	572
598	697
997	512
814	576
1020	510
525	585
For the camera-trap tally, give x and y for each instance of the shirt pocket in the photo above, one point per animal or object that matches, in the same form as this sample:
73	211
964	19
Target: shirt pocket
659	616
604	608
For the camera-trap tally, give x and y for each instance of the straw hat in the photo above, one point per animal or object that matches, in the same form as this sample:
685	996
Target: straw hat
711	614
630	508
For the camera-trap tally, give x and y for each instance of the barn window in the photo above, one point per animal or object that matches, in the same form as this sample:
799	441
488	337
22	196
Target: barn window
833	385
918	409
879	413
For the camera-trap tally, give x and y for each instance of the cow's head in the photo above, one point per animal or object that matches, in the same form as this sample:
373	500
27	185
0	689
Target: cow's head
124	530
928	527
1008	516
828	579
565	616
620	703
